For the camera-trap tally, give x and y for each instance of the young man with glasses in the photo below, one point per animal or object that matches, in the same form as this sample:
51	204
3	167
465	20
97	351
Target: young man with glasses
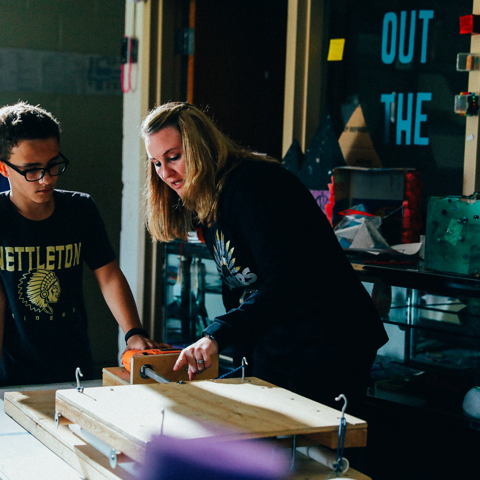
45	236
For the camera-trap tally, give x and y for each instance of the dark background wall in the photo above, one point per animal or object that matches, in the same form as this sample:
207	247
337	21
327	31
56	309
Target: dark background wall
239	72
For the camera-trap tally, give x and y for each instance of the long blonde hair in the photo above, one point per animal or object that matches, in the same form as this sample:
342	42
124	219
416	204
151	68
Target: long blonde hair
209	157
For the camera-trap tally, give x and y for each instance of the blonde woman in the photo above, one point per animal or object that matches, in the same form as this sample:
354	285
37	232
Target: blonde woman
294	305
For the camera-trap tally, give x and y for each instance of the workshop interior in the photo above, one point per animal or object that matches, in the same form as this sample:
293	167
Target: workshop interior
373	106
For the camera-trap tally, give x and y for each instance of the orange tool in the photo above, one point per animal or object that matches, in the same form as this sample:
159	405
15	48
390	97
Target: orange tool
127	356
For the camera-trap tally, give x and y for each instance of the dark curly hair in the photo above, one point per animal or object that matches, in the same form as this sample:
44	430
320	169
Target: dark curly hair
25	122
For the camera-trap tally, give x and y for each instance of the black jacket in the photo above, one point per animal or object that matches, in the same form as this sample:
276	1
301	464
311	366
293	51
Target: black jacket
288	288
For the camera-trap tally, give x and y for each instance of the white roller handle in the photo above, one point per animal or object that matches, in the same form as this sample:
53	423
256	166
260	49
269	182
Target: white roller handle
324	456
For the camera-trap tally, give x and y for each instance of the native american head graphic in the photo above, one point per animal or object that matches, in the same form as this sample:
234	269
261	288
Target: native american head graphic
38	289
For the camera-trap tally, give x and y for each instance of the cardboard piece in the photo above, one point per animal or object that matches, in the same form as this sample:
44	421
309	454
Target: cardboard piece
356	143
380	190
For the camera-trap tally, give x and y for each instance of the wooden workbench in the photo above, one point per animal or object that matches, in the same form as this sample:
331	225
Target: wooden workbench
127	417
266	409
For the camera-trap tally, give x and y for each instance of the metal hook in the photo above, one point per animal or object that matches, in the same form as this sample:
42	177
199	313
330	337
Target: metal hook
340	463
244	362
77	373
337	399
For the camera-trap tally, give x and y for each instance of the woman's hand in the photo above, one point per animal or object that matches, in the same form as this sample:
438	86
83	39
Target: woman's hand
197	356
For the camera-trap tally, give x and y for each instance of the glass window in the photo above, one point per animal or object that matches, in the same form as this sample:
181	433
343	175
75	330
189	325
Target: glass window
399	64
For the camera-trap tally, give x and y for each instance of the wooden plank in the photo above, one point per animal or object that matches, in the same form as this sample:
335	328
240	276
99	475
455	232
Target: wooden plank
330	439
113	376
35	411
227	409
163	365
118	439
94	467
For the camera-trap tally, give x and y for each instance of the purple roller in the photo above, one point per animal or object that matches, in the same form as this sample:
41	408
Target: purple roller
205	459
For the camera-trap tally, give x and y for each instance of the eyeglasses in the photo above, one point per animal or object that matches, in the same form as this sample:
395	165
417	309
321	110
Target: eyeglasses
36	174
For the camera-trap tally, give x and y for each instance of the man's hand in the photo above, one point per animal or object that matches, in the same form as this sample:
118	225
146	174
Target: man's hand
197	356
139	342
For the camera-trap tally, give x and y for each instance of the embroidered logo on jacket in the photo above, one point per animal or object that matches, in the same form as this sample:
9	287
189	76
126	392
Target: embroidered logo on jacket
38	289
232	275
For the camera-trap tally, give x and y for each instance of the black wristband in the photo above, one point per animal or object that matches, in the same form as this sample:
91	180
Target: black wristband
136	331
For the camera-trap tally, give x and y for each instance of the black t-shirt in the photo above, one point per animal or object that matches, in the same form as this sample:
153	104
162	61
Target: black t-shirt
41	268
288	288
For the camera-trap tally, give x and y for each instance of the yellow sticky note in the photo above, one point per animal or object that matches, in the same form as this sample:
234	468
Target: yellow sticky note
335	51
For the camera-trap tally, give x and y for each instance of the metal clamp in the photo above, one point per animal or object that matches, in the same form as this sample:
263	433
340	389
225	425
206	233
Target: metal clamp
57	419
147	371
110	452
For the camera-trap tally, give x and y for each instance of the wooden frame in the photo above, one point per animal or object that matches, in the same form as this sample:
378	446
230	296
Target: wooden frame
161	364
303	71
471	166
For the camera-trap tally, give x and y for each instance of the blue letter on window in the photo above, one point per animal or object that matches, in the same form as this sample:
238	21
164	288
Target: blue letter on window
411	42
420	117
404	125
388	99
425	15
389	57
